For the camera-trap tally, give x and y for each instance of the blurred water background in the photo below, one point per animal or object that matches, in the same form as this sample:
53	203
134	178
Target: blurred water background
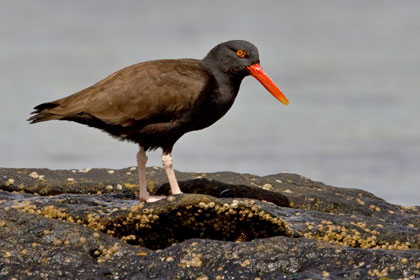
351	70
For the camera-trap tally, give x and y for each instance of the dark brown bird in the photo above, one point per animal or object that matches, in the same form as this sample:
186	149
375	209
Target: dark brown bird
154	103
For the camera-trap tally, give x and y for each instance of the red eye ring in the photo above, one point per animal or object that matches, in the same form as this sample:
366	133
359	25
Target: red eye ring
241	53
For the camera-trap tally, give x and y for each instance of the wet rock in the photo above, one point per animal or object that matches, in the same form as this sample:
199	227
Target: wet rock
87	224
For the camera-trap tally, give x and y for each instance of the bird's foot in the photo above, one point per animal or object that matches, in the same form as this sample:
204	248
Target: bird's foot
152	198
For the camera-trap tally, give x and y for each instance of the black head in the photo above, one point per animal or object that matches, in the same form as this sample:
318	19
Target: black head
233	57
237	59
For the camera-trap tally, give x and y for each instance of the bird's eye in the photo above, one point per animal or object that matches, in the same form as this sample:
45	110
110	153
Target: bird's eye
241	53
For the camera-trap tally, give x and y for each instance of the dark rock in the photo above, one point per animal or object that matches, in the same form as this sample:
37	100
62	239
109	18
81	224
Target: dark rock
219	189
87	224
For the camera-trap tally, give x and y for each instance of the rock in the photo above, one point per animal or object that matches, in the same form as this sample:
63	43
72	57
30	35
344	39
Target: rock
87	224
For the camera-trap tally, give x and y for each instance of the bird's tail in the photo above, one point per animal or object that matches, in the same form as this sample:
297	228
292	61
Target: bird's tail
41	113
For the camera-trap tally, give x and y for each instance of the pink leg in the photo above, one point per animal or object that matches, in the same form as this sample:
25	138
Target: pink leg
143	193
167	165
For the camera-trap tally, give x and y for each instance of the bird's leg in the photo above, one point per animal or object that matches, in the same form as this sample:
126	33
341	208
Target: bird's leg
167	165
143	193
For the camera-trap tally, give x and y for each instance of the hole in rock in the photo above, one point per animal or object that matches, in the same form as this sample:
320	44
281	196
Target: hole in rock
210	220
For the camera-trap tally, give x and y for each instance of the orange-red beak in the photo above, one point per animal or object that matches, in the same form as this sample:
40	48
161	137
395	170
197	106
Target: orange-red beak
258	73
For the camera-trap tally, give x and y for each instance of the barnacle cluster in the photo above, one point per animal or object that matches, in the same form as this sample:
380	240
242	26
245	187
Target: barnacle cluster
359	235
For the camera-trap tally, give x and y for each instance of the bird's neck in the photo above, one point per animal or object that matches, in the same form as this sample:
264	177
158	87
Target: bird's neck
228	82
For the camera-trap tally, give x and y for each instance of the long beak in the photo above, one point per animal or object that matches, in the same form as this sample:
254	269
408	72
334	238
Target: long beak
258	73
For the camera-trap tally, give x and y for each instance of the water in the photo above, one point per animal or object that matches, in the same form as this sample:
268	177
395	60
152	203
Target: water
350	69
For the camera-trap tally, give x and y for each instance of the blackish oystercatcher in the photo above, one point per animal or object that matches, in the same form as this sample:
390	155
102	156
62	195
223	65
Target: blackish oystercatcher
154	103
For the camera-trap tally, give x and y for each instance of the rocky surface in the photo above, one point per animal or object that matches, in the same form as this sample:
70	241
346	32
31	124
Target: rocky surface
87	224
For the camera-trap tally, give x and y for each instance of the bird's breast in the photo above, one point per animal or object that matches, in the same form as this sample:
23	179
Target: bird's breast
211	107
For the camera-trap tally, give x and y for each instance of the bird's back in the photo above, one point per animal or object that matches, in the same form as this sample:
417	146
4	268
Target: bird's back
146	96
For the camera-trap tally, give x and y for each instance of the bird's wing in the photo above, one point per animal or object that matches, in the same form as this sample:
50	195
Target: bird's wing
155	91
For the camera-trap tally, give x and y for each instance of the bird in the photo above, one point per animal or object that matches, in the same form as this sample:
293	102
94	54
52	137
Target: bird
154	103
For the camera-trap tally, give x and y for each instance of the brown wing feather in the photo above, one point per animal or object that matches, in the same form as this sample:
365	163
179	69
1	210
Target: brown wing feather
161	89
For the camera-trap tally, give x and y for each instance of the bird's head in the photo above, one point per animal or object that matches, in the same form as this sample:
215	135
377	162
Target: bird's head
240	58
